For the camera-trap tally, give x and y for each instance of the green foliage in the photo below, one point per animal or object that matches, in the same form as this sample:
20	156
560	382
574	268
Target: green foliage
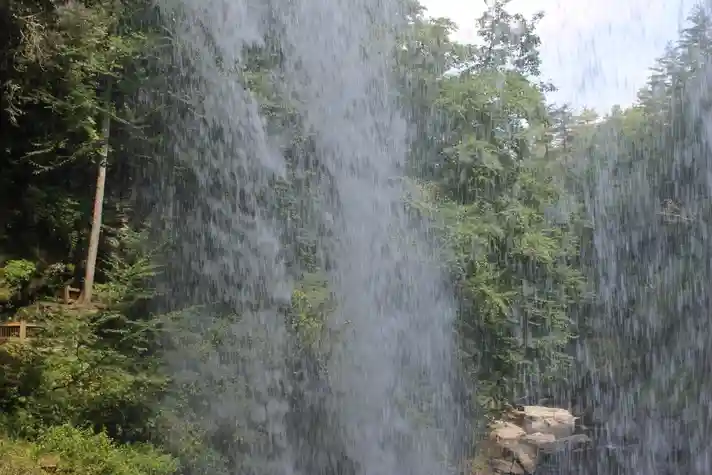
69	51
72	374
510	40
516	284
87	363
311	305
17	272
511	240
81	452
130	269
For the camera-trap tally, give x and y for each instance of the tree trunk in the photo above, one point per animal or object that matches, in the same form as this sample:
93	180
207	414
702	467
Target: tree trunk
98	207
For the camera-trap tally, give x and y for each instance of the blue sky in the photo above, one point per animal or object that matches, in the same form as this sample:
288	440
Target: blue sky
597	52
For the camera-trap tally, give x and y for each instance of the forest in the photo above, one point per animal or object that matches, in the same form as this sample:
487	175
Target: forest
573	240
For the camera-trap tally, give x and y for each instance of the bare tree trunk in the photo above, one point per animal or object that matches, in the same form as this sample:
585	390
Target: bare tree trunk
98	207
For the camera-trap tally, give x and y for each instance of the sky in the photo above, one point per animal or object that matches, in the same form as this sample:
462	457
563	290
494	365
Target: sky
597	52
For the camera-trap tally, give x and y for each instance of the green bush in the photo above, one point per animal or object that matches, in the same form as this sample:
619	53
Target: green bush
17	272
82	452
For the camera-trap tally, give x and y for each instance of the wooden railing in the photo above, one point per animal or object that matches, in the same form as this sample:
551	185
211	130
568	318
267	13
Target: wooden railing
68	303
17	331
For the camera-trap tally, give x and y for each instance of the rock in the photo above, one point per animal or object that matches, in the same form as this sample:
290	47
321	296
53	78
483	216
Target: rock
539	439
547	420
565	443
503	432
500	466
516	442
526	457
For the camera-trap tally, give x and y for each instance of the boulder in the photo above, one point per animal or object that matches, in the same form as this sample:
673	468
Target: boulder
517	441
547	420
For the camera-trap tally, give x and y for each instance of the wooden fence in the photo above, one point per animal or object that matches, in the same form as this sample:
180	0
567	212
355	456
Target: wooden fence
17	331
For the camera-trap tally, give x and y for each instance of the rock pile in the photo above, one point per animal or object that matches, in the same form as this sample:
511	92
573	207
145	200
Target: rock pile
517	442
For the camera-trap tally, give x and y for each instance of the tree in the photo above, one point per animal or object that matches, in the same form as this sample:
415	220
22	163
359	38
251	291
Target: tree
98	209
512	249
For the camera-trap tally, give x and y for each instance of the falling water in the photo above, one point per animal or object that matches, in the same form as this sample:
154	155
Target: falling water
387	377
384	388
650	214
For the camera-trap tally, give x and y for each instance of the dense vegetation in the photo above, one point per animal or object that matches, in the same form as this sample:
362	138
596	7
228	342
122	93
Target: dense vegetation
533	205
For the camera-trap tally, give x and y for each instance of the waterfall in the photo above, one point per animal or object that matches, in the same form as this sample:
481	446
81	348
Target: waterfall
386	385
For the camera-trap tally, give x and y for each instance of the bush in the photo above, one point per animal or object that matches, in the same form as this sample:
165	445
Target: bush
17	272
82	452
